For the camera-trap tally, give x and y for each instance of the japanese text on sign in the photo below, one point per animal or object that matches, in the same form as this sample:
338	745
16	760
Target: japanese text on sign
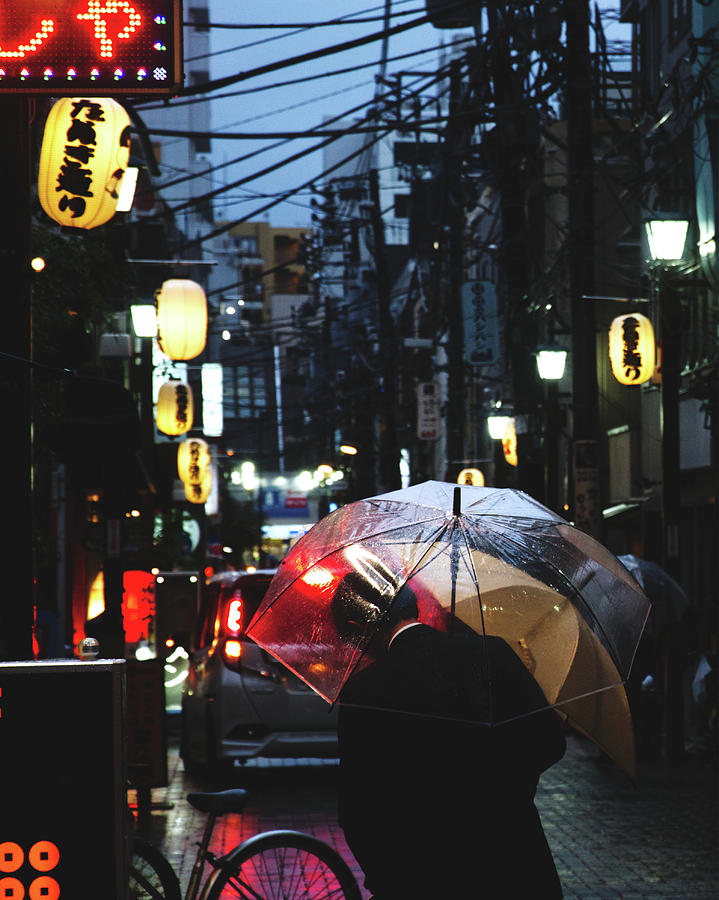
481	324
109	46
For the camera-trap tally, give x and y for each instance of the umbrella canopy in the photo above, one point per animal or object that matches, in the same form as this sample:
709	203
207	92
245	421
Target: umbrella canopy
491	560
669	601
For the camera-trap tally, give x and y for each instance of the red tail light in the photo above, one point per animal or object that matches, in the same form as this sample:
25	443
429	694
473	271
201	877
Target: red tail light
233	650
234	616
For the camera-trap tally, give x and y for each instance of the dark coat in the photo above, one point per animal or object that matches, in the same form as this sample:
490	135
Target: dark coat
433	804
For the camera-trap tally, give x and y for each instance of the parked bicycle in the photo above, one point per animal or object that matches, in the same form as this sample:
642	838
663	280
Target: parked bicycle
268	866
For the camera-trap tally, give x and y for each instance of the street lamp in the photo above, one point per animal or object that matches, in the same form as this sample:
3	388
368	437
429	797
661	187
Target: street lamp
666	236
551	362
144	319
497	426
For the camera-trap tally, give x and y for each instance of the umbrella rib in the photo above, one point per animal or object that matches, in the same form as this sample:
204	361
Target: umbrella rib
473	572
608	644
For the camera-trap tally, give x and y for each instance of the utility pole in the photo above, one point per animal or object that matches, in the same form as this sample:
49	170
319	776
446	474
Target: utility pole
16	609
389	452
455	332
586	503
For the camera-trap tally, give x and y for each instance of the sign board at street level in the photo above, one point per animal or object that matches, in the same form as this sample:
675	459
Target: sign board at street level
90	47
63	784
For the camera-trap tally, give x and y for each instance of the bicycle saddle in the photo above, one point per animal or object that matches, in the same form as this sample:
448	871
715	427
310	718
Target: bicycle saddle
218	803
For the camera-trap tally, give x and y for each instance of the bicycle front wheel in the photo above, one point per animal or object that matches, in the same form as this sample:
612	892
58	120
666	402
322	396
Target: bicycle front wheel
151	875
283	865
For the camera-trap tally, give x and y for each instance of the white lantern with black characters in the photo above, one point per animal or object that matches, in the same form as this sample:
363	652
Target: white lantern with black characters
84	156
632	349
175	408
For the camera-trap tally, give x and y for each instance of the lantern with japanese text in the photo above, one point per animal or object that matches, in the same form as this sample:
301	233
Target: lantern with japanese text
175	410
509	443
631	348
181	318
471	476
198	493
85	152
193	460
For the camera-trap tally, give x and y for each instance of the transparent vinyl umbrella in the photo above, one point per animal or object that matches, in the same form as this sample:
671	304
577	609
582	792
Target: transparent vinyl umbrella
668	598
491	560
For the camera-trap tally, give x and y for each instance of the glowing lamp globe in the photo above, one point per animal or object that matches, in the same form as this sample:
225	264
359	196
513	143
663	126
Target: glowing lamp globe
84	156
181	318
471	476
193	460
509	444
632	349
175	408
497	426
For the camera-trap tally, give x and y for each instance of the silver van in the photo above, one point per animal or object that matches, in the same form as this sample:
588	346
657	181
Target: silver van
238	702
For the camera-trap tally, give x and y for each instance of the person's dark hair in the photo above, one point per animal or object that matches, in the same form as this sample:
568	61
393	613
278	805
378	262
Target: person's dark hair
356	604
404	607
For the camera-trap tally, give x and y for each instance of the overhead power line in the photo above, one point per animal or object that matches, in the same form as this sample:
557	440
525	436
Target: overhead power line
174	103
381	133
217	83
203	198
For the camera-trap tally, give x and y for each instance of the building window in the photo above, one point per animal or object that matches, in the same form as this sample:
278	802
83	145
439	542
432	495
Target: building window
244	391
401	206
247	245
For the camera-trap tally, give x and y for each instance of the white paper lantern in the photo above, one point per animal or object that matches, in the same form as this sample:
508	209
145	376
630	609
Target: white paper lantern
632	350
175	408
181	318
85	153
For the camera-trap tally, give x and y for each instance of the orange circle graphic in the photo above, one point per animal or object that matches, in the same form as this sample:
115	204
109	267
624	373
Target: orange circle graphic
43	856
44	888
11	857
11	889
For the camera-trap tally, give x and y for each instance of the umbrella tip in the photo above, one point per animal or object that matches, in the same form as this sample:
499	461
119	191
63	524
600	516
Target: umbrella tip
457	505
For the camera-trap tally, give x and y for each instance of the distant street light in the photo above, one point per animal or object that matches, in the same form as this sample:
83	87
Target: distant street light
144	319
551	362
667	236
497	426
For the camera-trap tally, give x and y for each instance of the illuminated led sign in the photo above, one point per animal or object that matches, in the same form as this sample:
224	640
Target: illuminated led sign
118	47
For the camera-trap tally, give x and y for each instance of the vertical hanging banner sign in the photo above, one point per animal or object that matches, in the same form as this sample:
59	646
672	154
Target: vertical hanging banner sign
107	47
481	323
63	780
429	420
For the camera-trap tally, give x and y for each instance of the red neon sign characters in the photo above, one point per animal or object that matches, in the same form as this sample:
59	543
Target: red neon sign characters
119	47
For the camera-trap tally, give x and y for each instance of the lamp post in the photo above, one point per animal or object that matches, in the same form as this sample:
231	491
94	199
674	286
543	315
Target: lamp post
550	365
666	236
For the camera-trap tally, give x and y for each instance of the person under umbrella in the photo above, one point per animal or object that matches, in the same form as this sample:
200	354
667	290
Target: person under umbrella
437	800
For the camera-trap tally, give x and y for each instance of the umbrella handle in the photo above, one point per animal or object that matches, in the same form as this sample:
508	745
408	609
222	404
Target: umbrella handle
457	501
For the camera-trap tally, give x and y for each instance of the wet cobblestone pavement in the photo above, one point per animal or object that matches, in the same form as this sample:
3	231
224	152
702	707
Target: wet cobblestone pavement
609	839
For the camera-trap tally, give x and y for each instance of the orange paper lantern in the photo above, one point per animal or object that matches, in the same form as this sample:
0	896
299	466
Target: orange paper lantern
175	408
85	152
193	460
181	318
632	350
199	492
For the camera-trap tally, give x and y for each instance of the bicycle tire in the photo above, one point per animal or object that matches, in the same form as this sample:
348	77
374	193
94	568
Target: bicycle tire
283	865
151	875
